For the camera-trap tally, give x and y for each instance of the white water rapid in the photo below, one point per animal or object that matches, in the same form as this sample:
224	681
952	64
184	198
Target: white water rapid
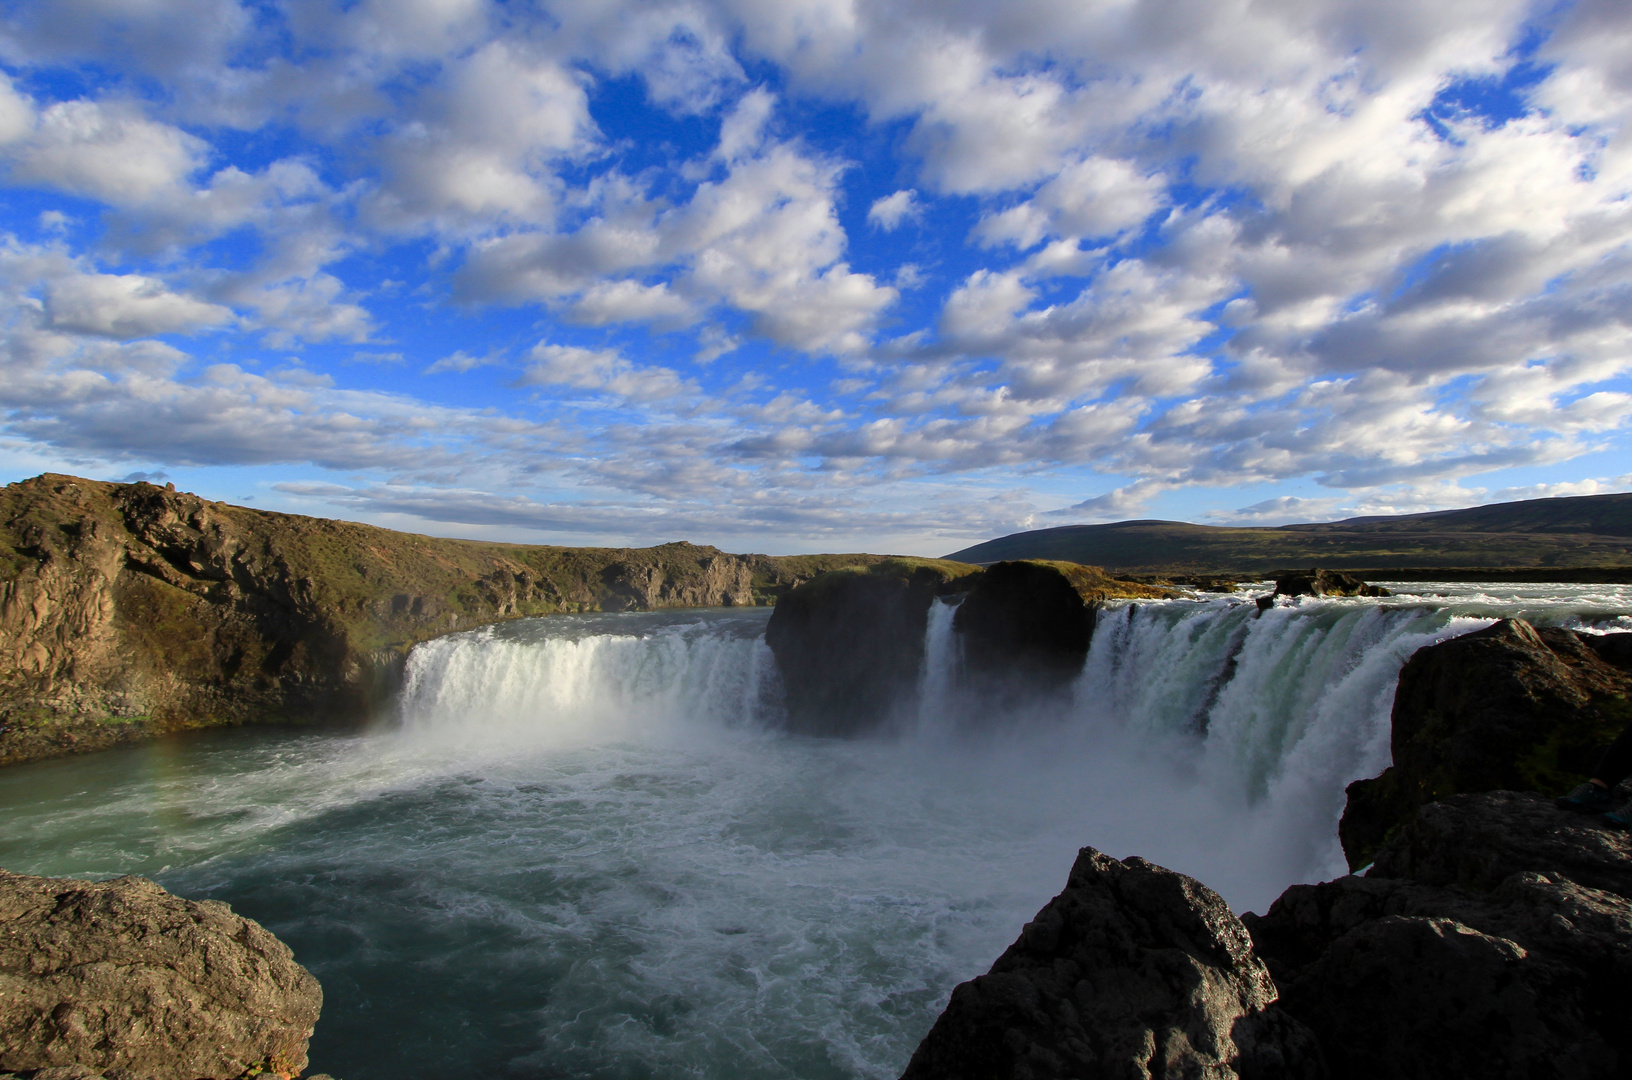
590	849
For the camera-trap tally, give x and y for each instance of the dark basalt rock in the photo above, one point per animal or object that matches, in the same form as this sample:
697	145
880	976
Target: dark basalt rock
1509	707
849	645
1318	582
1132	971
123	979
1492	938
1026	624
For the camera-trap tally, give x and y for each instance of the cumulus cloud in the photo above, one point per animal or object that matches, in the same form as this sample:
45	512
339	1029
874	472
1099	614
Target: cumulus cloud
1174	245
889	212
126	306
603	370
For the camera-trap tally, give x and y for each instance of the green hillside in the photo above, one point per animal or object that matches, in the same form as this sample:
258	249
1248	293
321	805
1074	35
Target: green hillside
1557	536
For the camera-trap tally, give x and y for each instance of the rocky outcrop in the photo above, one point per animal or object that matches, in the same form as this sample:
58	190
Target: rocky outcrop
1493	937
849	644
1132	971
1507	707
128	610
1025	625
1318	582
121	978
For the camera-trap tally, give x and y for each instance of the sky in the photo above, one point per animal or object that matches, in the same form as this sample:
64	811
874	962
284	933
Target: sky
818	275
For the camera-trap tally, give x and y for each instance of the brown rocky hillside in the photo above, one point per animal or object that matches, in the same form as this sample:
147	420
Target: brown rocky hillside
130	609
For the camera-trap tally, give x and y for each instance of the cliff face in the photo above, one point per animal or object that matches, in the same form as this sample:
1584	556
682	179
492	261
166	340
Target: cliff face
850	644
1025	626
1507	707
129	609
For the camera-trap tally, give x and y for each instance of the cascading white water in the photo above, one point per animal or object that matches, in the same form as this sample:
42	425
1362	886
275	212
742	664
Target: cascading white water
588	850
524	684
943	657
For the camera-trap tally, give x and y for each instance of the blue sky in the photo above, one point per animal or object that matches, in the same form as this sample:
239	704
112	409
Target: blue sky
822	274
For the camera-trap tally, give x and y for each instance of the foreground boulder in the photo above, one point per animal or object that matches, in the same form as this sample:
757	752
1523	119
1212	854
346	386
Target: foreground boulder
1509	707
1132	971
1493	937
122	978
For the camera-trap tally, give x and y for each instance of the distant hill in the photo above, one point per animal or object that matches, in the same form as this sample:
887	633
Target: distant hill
1583	532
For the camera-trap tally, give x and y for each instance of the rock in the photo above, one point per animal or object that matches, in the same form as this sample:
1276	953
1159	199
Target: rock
122	978
849	644
1509	707
1467	950
1132	971
129	610
1025	625
1479	841
1318	582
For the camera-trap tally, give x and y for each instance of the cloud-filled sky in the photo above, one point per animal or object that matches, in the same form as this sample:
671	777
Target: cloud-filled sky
818	274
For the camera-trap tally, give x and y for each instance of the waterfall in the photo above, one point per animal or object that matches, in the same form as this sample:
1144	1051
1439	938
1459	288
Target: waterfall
1273	712
938	681
576	679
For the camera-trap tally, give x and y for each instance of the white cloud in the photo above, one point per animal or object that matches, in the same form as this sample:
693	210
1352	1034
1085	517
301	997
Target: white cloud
126	306
460	362
603	370
1095	197
889	212
105	150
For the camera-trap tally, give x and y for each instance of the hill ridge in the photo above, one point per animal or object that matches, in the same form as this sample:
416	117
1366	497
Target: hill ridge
1579	531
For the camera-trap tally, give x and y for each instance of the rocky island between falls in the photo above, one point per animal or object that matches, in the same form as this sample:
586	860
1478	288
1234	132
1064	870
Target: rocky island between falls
1489	934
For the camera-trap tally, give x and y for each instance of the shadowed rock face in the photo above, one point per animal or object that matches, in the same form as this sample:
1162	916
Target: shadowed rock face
1493	937
849	645
1508	707
1024	624
1132	971
122	978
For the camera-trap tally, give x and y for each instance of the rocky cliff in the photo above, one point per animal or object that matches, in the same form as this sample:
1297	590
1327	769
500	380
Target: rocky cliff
128	610
1131	971
1507	707
122	978
1493	937
850	644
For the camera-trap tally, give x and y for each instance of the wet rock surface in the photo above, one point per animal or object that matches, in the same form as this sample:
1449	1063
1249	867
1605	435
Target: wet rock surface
1024	624
1318	582
1509	707
122	979
1493	937
849	644
1132	971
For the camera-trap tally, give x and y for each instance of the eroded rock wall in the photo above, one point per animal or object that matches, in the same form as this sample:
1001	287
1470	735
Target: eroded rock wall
1507	707
128	610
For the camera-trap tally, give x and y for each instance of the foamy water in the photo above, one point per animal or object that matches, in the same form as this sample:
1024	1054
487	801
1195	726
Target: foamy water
586	849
